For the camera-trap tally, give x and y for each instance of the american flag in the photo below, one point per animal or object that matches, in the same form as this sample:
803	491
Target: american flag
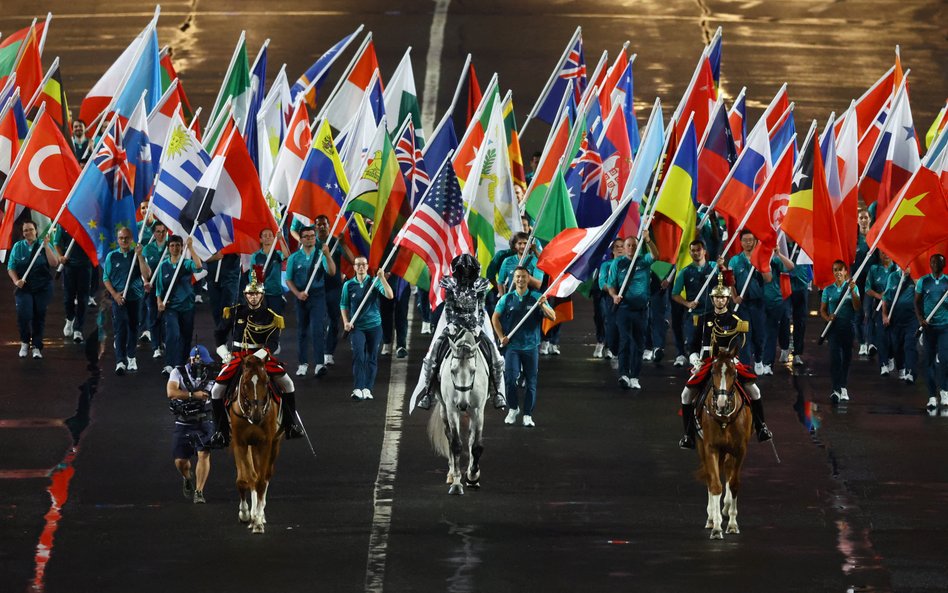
412	164
574	68
112	160
437	232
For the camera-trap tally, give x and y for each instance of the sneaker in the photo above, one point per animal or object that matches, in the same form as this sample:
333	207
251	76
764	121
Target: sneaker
797	360
597	351
199	497
544	347
425	328
145	337
77	337
766	369
187	486
401	352
511	416
320	370
901	374
366	394
884	371
658	355
528	420
680	360
37	353
784	356
634	383
555	351
328	360
863	350
158	353
932	403
944	397
871	349
648	355
608	354
891	364
625	382
67	329
198	299
758	368
91	302
614	363
302	370
844	394
24	350
132	365
166	371
909	378
834	397
120	369
386	349
356	394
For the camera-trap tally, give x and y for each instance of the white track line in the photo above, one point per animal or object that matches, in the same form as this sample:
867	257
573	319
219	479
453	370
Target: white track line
433	64
384	497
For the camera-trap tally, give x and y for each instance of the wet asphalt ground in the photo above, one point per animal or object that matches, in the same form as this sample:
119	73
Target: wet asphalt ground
597	497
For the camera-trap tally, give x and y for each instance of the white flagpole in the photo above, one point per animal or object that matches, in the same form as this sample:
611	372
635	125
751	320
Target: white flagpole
465	70
550	81
42	85
345	75
316	78
218	102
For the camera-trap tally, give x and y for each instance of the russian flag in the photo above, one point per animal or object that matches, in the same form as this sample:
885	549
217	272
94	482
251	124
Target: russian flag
750	171
573	254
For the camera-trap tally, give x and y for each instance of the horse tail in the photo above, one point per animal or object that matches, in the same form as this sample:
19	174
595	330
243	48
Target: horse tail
439	442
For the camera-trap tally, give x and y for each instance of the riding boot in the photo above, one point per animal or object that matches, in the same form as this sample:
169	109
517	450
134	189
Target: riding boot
221	436
688	420
291	427
757	411
497	382
427	374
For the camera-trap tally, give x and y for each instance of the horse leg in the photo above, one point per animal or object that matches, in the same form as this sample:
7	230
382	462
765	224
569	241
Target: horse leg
476	429
259	488
243	483
733	477
455	440
714	495
271	466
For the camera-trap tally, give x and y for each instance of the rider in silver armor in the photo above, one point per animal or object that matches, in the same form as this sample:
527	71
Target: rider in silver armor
464	294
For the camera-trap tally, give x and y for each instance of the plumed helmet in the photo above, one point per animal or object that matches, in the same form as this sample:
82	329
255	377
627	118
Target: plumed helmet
255	281
465	268
721	290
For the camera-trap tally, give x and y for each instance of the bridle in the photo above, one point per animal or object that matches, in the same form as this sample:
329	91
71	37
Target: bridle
253	410
721	401
463	352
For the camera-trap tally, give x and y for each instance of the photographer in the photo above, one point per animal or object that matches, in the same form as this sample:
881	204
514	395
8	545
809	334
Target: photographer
189	390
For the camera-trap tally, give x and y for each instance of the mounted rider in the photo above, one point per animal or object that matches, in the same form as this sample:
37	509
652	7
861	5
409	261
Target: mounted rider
464	295
246	329
716	331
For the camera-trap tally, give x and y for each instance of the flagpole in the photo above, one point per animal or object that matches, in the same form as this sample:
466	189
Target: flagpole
593	88
491	86
42	85
604	228
316	78
141	231
898	291
550	81
750	274
656	109
241	41
533	231
345	74
690	87
22	49
465	69
550	135
730	174
121	86
900	93
42	41
22	151
262	83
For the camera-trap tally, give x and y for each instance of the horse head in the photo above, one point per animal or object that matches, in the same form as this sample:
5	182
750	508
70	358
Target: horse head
463	360
723	376
253	391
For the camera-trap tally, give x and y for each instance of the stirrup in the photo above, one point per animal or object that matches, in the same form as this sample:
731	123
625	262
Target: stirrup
425	402
500	402
293	431
686	442
219	440
764	434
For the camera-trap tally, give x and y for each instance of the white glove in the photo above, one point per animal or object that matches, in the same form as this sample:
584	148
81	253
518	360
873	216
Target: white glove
694	359
224	353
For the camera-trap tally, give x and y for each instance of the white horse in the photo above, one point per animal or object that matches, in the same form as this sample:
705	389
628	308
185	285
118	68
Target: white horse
462	390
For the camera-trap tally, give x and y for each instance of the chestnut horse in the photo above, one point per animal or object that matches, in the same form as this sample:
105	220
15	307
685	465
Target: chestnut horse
255	440
726	426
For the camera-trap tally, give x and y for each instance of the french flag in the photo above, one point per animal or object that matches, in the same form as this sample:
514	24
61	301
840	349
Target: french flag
572	255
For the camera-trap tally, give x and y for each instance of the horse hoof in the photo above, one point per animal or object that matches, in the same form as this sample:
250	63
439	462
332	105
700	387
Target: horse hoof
257	528
717	534
709	524
475	483
456	489
450	479
243	517
733	529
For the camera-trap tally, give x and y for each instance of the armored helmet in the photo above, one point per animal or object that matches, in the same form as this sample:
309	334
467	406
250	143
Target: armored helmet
466	269
255	281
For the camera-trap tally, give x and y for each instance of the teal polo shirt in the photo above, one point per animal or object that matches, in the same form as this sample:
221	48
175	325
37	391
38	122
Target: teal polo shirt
272	282
510	264
637	291
832	294
300	266
353	292
19	260
740	264
903	308
691	279
512	307
182	293
115	269
773	297
932	289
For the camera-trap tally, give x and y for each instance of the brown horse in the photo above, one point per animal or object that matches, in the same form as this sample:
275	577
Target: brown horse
255	440
726	427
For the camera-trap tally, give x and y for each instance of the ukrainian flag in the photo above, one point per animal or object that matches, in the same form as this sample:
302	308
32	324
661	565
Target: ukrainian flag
676	210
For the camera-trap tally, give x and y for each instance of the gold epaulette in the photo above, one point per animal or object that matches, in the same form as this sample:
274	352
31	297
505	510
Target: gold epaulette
743	326
227	312
278	321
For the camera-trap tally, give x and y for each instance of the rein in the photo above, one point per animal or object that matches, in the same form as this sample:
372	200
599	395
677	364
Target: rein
730	393
242	412
468	354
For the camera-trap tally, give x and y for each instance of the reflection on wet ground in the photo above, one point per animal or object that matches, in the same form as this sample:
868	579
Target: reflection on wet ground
61	475
465	558
861	562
